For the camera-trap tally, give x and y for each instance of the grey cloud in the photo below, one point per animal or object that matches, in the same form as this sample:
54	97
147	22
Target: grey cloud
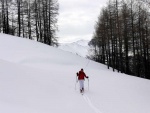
77	17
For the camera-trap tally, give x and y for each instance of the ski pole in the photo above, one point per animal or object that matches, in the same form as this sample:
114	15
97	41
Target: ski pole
76	82
88	84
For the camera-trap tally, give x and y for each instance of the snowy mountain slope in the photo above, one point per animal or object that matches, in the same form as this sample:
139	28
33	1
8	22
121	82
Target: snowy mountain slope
27	90
80	47
36	78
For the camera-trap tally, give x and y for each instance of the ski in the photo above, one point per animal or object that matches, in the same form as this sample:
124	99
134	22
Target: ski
82	92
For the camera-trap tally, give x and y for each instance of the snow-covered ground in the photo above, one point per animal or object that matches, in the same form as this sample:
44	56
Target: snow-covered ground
79	47
36	78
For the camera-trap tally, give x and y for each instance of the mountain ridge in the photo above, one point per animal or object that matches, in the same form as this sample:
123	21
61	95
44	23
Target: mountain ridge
79	47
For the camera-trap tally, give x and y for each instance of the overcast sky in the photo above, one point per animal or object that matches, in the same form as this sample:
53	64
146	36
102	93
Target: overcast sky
77	18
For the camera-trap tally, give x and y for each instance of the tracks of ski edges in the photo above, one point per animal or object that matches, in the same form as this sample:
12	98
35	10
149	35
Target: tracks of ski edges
89	102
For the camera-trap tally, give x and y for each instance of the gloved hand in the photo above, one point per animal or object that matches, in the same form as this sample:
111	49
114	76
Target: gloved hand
87	77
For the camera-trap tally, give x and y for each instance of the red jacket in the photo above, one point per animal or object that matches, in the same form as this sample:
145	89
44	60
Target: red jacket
81	75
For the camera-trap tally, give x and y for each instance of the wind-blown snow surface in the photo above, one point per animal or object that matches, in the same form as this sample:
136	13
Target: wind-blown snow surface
79	47
36	78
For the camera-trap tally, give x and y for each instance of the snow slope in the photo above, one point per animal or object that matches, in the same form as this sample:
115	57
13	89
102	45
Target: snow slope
36	78
79	47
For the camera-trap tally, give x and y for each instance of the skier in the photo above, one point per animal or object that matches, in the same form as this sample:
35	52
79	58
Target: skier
81	76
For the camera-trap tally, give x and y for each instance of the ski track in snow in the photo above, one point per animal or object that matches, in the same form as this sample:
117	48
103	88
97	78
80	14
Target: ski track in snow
89	102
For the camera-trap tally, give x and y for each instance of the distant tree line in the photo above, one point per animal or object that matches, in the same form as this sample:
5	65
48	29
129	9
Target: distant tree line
32	19
122	37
